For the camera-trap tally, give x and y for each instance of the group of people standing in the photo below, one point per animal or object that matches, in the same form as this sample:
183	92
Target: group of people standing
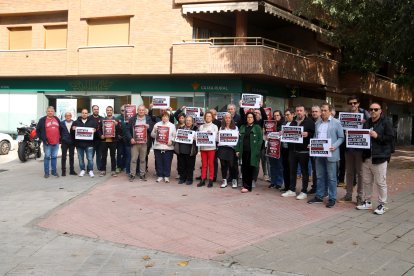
240	161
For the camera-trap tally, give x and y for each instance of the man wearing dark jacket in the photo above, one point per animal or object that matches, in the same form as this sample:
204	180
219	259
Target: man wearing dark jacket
67	143
376	158
299	153
97	143
109	143
139	150
85	146
49	131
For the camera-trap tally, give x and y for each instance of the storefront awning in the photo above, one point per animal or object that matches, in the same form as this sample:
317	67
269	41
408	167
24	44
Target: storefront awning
220	7
253	6
270	9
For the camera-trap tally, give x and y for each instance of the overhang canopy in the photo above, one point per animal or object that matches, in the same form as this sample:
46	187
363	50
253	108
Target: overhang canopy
220	7
253	6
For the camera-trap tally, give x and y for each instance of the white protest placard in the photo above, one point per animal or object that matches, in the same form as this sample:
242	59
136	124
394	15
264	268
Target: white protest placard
193	111
351	120
161	102
320	147
220	115
184	136
84	133
292	134
358	138
205	139
199	121
251	100
228	137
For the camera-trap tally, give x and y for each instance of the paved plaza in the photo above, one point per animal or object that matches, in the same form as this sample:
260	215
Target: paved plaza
109	226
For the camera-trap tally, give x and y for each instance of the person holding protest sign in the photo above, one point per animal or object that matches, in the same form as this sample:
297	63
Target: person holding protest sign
208	153
186	151
248	150
138	134
353	157
376	158
316	116
110	131
123	146
164	133
67	143
226	153
299	154
97	142
276	163
289	115
326	167
85	142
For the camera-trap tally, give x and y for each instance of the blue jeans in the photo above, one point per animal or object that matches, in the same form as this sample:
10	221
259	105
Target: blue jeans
326	177
276	171
164	160
89	157
51	152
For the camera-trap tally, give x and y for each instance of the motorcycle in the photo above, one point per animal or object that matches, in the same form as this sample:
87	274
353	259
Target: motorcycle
28	142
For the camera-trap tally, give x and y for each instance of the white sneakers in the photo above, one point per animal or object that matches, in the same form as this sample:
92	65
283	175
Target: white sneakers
159	179
253	184
289	193
167	179
366	205
302	196
234	183
266	178
380	210
82	173
224	183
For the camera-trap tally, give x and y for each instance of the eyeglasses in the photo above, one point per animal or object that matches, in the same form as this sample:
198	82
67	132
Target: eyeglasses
353	103
122	110
374	109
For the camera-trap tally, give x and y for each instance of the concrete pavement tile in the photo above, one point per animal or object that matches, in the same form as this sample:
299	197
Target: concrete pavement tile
408	237
398	246
410	272
377	260
381	228
386	237
333	253
394	267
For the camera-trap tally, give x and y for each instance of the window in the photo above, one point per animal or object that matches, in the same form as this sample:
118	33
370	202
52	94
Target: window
55	36
108	31
20	38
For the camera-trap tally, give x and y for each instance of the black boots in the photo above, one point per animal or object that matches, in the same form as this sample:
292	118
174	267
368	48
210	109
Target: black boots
202	183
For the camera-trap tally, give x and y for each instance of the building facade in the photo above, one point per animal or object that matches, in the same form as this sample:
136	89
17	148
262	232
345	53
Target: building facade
200	52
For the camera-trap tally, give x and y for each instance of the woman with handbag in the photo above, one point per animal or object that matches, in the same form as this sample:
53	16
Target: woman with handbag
227	155
186	154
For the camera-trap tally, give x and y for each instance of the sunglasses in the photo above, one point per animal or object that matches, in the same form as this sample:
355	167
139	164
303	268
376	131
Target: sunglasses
374	109
353	103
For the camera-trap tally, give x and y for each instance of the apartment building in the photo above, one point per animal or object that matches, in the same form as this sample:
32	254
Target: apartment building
200	52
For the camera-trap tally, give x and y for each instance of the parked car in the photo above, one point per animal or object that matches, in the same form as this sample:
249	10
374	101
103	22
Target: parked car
6	143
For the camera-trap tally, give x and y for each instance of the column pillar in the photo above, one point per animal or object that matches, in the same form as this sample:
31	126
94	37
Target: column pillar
241	27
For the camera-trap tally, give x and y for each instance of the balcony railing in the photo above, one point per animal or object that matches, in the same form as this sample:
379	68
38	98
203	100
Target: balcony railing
253	55
375	85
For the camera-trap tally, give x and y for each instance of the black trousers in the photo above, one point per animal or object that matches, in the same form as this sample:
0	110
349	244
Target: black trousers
286	167
247	170
231	168
341	170
186	164
65	147
301	158
112	150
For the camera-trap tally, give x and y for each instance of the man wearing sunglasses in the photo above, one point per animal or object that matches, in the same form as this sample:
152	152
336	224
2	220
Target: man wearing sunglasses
353	157
375	159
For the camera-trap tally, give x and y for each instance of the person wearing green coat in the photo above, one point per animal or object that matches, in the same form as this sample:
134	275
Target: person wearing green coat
248	150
